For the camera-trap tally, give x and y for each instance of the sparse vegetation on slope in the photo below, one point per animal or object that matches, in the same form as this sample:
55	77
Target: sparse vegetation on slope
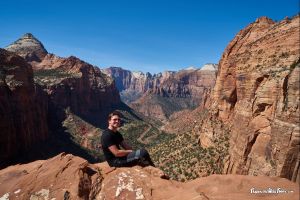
84	134
182	158
52	76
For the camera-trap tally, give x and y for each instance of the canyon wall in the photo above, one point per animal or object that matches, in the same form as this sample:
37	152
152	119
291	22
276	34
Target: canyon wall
162	94
23	107
184	83
257	96
74	84
65	99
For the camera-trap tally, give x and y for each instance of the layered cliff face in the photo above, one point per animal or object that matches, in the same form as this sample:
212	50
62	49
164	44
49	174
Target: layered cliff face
174	92
131	85
127	80
257	96
77	85
162	94
69	82
23	107
184	83
68	177
28	47
80	98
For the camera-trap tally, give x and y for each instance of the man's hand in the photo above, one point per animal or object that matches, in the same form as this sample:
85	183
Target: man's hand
119	153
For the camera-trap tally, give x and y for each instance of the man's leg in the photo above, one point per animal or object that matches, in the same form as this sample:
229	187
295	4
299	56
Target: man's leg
123	162
142	156
138	157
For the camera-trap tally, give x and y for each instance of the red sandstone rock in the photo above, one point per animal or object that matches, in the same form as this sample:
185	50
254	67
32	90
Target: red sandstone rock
70	177
257	96
184	83
142	183
185	89
47	96
23	109
61	177
77	85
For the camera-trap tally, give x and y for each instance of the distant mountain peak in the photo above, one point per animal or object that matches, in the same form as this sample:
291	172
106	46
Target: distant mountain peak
264	19
29	47
191	68
138	74
28	36
210	67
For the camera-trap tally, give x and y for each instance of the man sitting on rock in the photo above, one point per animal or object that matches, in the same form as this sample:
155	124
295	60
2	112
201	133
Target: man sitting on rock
112	140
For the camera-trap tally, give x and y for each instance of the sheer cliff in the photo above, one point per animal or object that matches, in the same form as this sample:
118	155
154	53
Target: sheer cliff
23	108
257	96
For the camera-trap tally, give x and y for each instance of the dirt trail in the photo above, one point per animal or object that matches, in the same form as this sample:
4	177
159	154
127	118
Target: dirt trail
147	140
143	134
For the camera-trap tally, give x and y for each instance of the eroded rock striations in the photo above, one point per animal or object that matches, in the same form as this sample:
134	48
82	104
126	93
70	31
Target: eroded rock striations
74	84
184	83
257	96
175	92
69	82
23	109
162	94
68	177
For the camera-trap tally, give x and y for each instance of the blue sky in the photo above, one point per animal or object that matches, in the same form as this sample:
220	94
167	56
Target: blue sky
146	35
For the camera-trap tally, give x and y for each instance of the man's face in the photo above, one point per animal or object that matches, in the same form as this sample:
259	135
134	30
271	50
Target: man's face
115	121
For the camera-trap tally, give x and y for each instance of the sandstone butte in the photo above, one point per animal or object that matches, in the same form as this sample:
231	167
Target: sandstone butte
257	96
69	177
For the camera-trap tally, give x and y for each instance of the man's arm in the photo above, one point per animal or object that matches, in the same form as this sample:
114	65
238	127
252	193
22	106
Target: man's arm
125	145
119	152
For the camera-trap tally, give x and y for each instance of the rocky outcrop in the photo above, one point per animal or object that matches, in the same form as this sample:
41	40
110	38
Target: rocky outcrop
62	177
137	183
28	47
257	96
74	84
69	177
23	108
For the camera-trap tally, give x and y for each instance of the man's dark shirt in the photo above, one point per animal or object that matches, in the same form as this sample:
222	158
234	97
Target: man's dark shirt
108	139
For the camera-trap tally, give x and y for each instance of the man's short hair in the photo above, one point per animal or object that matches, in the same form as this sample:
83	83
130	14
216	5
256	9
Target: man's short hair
114	113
